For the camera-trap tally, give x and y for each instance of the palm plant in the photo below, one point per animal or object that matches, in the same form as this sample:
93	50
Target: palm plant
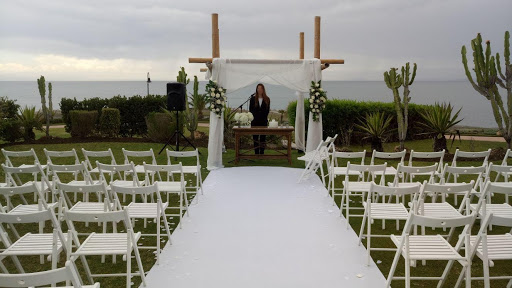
439	121
30	119
376	127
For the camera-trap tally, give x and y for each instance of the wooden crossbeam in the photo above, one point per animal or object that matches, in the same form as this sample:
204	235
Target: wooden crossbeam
209	60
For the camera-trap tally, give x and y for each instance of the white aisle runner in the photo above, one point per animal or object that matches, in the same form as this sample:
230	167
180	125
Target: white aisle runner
256	227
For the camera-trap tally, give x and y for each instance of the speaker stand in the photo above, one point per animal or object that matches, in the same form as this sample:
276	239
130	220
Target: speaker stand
177	133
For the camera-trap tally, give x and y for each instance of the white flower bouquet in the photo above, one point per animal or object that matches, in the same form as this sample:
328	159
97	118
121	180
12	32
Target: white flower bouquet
216	97
317	99
244	118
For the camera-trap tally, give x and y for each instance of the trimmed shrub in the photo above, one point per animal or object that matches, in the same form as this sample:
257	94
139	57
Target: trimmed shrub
83	123
339	117
10	130
161	126
133	110
110	122
8	108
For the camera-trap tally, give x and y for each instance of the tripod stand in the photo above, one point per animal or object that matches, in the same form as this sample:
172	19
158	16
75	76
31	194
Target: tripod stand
177	133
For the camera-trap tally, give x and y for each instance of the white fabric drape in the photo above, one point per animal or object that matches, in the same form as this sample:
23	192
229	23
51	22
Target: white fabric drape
215	139
234	74
300	122
314	133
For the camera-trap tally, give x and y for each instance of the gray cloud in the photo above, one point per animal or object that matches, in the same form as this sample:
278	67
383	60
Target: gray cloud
159	36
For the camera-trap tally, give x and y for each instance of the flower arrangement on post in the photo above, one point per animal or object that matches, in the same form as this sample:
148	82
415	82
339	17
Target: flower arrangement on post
317	99
244	119
215	96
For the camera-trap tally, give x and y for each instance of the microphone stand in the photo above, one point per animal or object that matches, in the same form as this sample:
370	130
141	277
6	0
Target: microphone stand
241	106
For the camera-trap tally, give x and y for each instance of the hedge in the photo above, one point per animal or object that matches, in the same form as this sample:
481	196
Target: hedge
340	115
83	122
110	122
161	126
133	110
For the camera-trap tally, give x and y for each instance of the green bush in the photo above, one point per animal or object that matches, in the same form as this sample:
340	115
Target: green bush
339	117
10	130
110	122
8	108
161	126
133	110
83	123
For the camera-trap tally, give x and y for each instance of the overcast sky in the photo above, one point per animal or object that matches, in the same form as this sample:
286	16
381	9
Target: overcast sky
125	39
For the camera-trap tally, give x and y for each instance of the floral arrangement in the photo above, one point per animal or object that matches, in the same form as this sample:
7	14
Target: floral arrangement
317	98
215	96
244	118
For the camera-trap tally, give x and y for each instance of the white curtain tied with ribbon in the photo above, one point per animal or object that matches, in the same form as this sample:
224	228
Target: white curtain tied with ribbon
234	74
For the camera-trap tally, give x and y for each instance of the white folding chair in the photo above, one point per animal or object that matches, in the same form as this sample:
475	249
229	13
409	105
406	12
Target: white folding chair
497	209
384	211
140	155
500	170
428	155
315	159
431	247
386	156
190	169
106	243
471	156
67	274
336	170
41	244
30	154
86	205
359	187
26	172
98	155
478	173
146	211
165	184
443	209
80	174
491	248
404	176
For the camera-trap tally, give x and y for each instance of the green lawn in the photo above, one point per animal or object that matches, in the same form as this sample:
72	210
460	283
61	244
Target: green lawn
432	268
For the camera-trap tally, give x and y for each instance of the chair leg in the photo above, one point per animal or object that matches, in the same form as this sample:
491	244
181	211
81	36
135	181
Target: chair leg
129	268
362	228
166	225
368	237
393	267
139	264
347	208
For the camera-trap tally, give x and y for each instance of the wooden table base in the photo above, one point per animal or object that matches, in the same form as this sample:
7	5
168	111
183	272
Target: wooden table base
259	130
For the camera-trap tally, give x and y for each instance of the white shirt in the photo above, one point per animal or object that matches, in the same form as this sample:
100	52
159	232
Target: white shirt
260	100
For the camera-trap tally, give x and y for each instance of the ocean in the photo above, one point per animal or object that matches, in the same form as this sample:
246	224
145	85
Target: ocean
476	110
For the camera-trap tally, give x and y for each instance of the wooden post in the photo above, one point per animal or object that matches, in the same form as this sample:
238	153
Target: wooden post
215	36
317	37
301	53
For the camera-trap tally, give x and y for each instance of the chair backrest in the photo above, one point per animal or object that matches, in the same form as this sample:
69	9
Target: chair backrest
152	170
98	217
98	154
143	190
458	188
496	188
44	278
24	190
138	154
388	155
427	155
29	217
426	221
347	155
503	170
20	154
61	154
100	187
449	171
76	169
371	170
121	170
181	154
471	155
383	190
13	173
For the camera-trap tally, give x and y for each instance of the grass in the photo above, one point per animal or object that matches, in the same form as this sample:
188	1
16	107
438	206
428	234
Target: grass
432	267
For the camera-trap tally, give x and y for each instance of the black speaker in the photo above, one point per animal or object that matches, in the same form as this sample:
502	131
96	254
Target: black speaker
176	96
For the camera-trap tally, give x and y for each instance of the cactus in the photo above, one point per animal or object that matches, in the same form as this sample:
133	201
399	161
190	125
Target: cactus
50	102
41	84
182	76
487	70
394	81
